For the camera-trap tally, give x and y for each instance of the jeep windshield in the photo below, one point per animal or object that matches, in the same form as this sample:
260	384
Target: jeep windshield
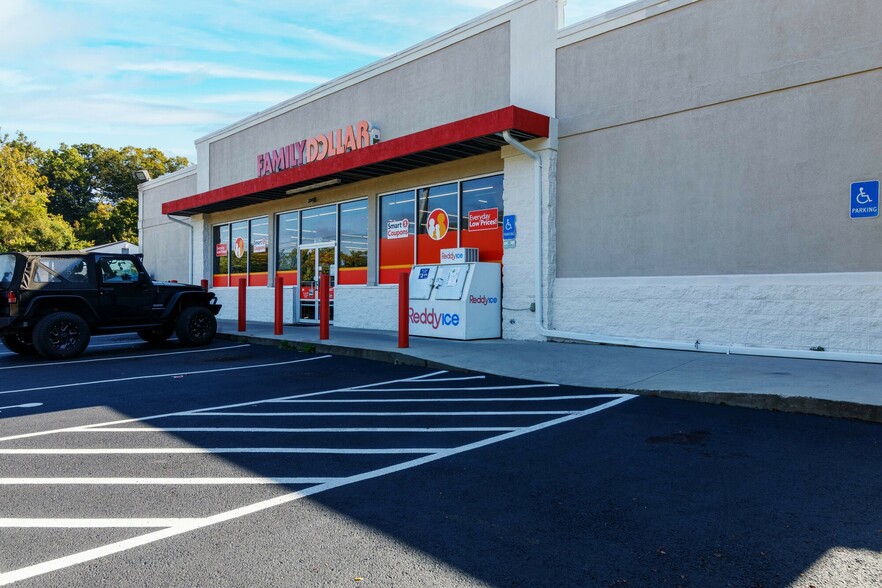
7	267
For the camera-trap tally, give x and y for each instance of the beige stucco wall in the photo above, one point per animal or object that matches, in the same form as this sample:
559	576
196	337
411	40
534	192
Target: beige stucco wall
165	244
467	78
721	138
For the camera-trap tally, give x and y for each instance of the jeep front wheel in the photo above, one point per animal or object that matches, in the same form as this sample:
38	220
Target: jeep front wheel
195	326
61	335
19	343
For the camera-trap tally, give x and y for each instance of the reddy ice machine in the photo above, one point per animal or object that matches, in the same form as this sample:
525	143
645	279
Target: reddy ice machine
454	300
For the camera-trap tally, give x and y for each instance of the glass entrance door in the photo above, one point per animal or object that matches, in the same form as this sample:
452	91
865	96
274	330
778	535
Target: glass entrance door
314	261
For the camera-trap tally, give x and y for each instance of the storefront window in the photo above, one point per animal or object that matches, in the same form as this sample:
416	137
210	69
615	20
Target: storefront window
397	235
287	238
353	243
258	252
319	225
438	221
458	214
221	271
482	217
239	250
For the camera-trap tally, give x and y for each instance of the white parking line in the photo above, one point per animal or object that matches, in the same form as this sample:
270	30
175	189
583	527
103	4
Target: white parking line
292	430
406	400
223	450
93	523
91	345
27	405
171	527
221	407
455	379
178	529
512	387
244	481
383	414
121	357
167	375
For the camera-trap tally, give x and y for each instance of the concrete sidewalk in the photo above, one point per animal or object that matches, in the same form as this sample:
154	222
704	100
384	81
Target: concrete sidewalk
829	388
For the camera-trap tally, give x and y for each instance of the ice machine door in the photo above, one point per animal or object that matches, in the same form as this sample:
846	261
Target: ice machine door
422	277
450	281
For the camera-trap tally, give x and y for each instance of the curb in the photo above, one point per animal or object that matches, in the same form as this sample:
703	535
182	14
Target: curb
771	402
839	409
384	356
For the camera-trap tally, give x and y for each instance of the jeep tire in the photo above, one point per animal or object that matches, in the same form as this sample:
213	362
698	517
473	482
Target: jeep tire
61	335
157	334
19	343
195	325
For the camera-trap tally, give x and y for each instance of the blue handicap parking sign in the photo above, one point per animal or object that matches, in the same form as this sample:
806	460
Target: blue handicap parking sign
509	227
865	199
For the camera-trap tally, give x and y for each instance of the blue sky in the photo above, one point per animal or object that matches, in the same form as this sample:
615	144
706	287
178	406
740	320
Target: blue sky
162	74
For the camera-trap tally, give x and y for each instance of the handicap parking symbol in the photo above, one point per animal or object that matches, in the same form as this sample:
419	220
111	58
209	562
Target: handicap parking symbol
509	227
865	199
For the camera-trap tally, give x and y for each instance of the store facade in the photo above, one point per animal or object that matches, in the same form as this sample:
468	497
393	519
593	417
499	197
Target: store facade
667	182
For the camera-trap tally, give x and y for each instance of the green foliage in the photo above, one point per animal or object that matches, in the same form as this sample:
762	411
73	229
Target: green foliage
66	170
25	223
109	223
87	174
74	195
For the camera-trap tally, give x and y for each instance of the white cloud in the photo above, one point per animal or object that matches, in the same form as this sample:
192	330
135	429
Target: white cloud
216	71
244	98
118	73
13	79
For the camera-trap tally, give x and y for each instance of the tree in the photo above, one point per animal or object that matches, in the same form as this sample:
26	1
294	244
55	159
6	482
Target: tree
109	223
67	173
25	223
117	167
91	183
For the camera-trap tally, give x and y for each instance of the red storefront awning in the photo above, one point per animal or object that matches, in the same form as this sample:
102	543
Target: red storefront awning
464	138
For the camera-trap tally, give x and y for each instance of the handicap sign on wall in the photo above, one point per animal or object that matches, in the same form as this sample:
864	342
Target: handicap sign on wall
865	199
509	227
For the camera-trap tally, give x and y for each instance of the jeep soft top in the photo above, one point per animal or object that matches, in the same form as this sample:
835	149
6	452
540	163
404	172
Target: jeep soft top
51	302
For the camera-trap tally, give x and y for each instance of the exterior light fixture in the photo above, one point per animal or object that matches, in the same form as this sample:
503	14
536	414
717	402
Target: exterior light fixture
141	176
316	186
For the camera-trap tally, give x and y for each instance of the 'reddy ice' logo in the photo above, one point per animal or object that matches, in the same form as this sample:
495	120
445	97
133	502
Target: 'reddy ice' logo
432	318
484	300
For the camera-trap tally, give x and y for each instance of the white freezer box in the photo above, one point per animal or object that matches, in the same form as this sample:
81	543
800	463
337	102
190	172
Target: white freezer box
456	301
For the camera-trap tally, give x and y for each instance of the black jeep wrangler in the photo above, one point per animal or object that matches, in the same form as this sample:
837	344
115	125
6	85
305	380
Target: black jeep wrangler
51	303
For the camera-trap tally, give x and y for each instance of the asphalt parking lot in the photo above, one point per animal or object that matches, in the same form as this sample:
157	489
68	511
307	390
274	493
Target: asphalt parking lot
238	465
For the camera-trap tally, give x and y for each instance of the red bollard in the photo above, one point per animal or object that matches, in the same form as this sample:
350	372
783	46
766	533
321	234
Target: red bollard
324	307
241	305
204	284
280	293
403	310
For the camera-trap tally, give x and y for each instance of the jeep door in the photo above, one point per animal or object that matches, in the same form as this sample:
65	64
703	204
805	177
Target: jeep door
125	295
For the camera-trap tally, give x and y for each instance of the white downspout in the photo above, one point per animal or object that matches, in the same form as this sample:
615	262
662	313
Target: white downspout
635	341
189	249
